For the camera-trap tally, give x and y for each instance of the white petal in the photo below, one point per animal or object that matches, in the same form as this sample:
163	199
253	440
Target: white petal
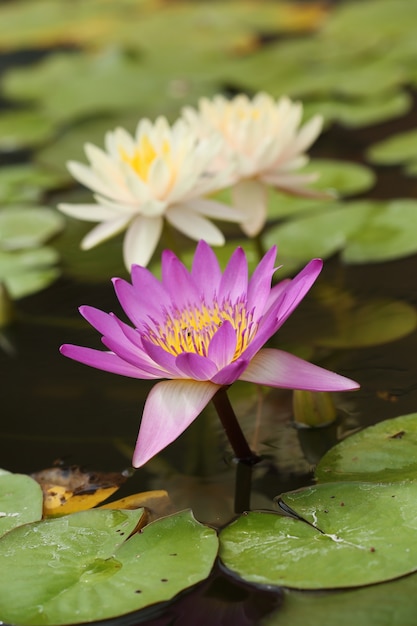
88	212
141	240
193	225
87	177
214	209
104	231
159	177
250	198
106	167
117	207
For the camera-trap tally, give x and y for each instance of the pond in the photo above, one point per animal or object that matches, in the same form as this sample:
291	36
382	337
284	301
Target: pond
359	319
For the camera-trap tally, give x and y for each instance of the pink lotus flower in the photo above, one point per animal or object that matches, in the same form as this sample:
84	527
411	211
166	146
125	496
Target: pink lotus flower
202	330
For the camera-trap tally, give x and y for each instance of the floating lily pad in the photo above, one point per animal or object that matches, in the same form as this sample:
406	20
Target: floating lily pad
23	129
20	501
375	322
83	567
388	234
28	271
69	86
27	227
343	178
385	452
26	183
380	605
357	112
367	534
321	234
69	146
398	148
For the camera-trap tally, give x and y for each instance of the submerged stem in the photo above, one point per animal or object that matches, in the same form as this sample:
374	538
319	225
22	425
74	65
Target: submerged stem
245	458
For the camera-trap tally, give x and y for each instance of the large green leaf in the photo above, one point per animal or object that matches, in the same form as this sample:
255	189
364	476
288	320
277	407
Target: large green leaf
388	604
367	534
356	112
80	567
385	452
28	271
388	234
398	148
343	178
22	129
25	183
27	227
21	501
321	234
375	322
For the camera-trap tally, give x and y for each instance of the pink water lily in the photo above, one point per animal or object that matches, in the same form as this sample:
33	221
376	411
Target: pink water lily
201	330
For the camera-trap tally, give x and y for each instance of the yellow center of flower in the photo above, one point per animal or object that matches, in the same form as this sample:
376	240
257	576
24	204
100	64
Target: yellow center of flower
144	155
191	330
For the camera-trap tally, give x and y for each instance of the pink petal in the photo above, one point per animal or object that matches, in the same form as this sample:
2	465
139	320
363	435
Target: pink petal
178	282
234	282
169	409
162	358
276	368
259	288
206	271
287	297
196	366
231	372
131	297
297	289
129	353
223	345
106	361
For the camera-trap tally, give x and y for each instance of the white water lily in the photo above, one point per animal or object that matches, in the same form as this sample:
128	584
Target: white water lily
265	139
162	172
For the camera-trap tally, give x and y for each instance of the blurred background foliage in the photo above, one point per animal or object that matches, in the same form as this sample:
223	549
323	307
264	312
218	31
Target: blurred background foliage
71	71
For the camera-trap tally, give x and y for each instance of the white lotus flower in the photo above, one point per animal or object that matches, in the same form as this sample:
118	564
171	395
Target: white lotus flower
265	139
161	172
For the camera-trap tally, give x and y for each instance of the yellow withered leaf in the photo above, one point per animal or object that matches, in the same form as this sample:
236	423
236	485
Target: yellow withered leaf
71	489
157	504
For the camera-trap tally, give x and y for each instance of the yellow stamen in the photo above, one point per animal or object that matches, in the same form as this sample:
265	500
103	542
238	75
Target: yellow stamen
191	330
144	155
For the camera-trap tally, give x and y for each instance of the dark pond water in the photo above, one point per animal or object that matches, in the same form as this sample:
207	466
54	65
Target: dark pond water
54	409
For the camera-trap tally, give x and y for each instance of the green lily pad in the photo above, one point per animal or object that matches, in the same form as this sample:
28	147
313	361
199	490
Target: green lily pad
321	234
21	501
68	86
26	183
82	567
380	605
28	271
375	322
398	148
367	535
23	129
27	227
344	178
388	234
69	146
385	452
359	112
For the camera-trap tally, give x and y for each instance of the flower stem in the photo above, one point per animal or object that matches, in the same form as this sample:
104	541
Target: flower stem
233	431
